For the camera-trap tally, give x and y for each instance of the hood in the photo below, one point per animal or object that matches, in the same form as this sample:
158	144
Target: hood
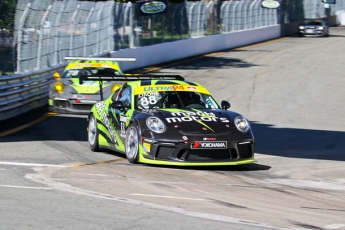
88	87
195	120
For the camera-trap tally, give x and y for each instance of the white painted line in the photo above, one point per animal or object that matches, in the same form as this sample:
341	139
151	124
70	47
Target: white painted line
334	226
169	197
30	164
307	183
13	186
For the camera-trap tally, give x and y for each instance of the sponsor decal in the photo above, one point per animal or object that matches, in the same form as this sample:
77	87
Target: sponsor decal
184	138
209	139
150	94
123	118
100	108
195	116
150	7
163	88
148	140
88	101
191	88
147	147
209	145
271	4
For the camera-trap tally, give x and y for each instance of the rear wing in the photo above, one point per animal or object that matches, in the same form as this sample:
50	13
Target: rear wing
127	77
100	59
96	62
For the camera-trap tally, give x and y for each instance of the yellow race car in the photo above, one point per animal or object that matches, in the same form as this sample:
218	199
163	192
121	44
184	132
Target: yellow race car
67	95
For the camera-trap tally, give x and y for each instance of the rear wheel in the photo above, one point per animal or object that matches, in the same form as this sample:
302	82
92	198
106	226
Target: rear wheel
132	144
92	133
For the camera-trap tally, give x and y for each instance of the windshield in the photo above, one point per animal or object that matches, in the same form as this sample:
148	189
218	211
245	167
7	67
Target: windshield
174	99
314	23
75	73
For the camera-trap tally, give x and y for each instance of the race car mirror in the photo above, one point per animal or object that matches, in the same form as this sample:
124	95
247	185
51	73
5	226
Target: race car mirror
81	81
225	105
117	105
57	76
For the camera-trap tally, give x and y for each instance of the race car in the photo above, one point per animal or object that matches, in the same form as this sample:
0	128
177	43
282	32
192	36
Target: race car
66	95
166	120
314	27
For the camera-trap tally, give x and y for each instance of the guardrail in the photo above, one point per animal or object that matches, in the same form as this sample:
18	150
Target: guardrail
20	93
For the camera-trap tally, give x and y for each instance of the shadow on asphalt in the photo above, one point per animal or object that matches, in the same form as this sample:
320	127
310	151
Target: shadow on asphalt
203	62
284	142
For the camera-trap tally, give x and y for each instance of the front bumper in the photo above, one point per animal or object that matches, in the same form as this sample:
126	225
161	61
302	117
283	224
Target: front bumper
69	106
312	32
181	153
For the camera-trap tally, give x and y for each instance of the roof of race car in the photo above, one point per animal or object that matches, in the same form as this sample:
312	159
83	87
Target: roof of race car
79	64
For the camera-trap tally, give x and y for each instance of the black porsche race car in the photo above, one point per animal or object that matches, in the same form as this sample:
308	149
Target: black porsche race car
164	119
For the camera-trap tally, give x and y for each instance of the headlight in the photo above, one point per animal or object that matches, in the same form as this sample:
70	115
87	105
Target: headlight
241	124
320	28
155	124
57	76
301	27
59	87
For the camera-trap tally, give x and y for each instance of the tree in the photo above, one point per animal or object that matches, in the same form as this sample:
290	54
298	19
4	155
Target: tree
7	13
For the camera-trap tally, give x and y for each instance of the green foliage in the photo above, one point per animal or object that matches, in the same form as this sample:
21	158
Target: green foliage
7	13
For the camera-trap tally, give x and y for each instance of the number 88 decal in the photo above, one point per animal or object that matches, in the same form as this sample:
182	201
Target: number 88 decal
144	101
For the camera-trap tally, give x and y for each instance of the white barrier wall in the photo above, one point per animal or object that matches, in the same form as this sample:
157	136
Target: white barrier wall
341	17
170	51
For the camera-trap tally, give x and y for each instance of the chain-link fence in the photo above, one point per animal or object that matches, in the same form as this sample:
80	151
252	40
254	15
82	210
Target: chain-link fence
47	31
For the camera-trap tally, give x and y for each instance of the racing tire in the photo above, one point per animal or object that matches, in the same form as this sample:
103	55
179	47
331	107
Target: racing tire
132	144
92	133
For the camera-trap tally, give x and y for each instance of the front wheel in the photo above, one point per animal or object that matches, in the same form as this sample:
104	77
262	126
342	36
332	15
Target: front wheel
132	144
92	134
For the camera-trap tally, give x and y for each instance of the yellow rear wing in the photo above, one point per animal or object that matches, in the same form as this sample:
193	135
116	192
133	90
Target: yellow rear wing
96	62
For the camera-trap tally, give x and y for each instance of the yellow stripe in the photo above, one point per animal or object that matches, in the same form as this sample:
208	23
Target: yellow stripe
260	44
158	88
7	132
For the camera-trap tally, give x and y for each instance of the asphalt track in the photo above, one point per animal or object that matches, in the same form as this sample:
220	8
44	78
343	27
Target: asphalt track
291	89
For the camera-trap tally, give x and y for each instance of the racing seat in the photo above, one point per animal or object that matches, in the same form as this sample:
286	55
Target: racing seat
196	99
173	101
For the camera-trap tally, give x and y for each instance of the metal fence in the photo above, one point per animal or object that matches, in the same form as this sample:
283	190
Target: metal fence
47	31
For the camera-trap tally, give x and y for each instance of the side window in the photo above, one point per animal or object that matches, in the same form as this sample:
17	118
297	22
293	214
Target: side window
125	96
115	94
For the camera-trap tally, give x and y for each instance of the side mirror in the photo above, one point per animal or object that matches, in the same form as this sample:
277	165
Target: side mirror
126	104
225	105
81	81
117	105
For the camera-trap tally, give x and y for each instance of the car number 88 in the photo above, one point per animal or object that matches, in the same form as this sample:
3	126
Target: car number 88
148	100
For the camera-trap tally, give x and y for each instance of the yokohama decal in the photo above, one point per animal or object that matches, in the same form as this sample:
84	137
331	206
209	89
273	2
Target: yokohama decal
209	145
